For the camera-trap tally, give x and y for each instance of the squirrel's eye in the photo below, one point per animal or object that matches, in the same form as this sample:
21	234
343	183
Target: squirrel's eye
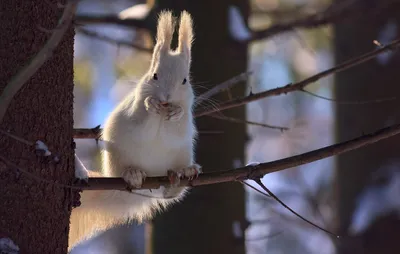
184	81
155	76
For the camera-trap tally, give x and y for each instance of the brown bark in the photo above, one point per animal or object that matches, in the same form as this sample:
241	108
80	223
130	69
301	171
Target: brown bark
368	81
35	215
203	222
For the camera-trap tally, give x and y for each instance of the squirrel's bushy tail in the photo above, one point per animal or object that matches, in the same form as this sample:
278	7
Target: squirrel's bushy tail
85	223
91	218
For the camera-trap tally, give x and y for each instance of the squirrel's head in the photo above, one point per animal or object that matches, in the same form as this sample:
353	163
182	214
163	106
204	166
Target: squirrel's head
169	75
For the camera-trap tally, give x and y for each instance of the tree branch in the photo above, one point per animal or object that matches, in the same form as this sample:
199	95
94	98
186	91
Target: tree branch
235	120
82	133
223	86
334	14
112	20
105	38
252	171
95	133
302	84
45	53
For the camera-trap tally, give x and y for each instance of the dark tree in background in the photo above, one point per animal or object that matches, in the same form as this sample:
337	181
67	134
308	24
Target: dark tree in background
35	214
204	222
375	79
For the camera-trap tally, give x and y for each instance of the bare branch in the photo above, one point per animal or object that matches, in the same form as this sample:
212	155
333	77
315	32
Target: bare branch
258	181
251	171
34	176
344	11
302	84
223	86
95	133
348	102
45	53
111	19
255	189
40	147
235	120
108	39
19	139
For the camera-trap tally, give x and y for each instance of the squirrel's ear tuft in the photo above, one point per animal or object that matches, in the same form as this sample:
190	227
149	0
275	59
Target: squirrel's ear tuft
165	30
185	34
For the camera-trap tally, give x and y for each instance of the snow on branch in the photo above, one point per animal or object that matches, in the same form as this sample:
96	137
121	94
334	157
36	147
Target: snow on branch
253	171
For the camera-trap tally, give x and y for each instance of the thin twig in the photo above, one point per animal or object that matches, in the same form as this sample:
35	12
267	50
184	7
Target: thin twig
19	139
255	189
251	171
108	39
224	85
310	21
258	181
34	176
348	102
45	53
41	148
235	120
302	84
335	13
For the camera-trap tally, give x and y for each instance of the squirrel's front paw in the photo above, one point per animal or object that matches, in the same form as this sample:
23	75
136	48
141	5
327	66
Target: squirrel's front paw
174	113
153	105
189	172
134	177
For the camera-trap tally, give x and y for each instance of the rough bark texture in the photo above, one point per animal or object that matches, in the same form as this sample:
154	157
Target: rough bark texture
35	215
204	222
367	81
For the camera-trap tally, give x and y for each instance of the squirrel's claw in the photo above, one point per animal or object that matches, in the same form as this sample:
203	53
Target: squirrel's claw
152	105
174	113
190	172
174	178
134	177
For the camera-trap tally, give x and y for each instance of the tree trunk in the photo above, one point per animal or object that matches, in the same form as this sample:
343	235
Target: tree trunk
204	221
35	214
372	80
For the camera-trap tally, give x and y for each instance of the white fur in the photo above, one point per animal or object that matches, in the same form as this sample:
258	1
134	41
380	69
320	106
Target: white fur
136	137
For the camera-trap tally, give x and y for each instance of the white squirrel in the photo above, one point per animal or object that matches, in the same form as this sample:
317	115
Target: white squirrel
149	133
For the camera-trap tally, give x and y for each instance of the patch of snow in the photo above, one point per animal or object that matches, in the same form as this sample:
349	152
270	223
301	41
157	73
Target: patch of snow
41	146
7	246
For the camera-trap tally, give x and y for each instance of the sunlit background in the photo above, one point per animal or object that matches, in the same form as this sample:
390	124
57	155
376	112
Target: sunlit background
105	71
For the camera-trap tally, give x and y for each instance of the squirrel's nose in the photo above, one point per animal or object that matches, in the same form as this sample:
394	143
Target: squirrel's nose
164	103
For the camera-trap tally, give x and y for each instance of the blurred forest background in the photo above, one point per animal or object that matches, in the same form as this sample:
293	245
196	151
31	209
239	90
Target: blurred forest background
355	195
